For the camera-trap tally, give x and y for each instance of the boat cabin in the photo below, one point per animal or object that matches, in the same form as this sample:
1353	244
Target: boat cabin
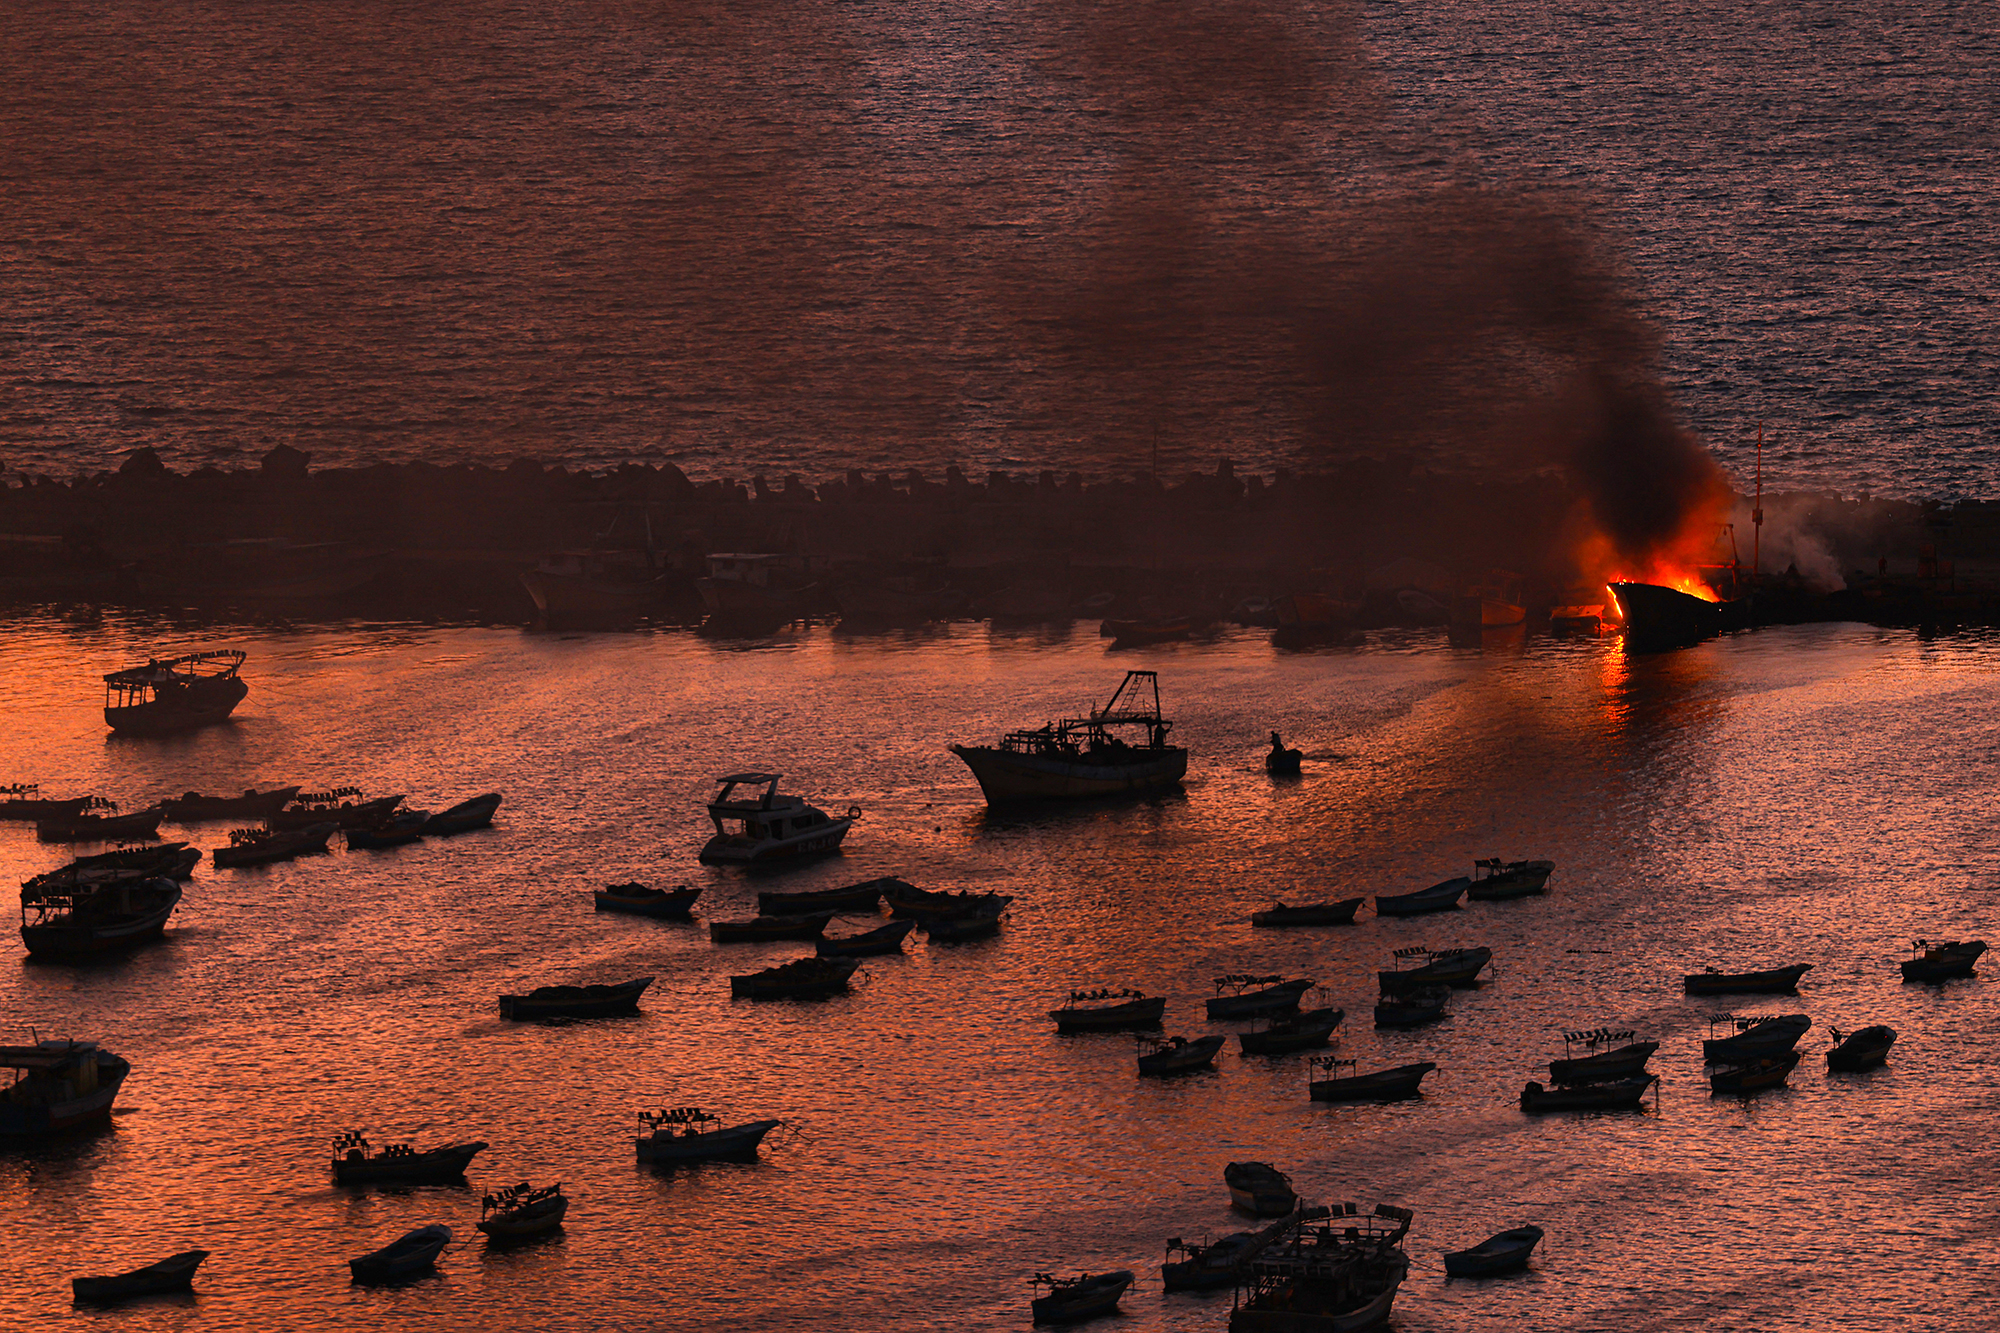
50	1071
764	816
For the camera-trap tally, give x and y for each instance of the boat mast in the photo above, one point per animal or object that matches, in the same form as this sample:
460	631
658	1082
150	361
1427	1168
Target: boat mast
1757	515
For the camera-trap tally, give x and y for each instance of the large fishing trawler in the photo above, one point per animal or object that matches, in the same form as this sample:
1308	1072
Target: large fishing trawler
1081	757
177	695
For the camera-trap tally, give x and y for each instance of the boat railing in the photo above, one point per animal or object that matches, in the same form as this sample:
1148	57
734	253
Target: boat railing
1333	1064
1596	1037
20	790
1076	996
1244	980
689	1119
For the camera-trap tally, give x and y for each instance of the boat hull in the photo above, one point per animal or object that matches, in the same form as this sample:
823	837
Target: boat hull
201	705
70	943
1318	914
195	807
1256	1317
819	840
1769	1072
534	1220
283	846
1185	1059
1527	880
1007	778
1657	617
89	828
1866	1049
413	1254
1507	1252
1620	1095
1942	964
438	1166
855	898
882	940
1064	1307
1461	970
794	983
1437	898
738	1143
679	904
1144	1013
1279	999
1603	1068
582	597
1306	1032
172	1274
29	1120
1768	1038
576	1001
1774	981
1383	1086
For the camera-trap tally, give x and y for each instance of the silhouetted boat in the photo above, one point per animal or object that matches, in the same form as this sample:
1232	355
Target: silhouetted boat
261	846
171	1274
1771	981
1255	996
958	927
521	1211
399	830
91	921
162	860
89	826
808	927
1084	1296
769	827
881	940
864	897
1292	1032
1104	1010
1863	1050
1660	617
576	1001
639	900
1437	898
1768	1071
464	817
176	695
1082	757
688	1134
399	1163
252	804
338	807
1754	1035
1410	1009
1177	1055
1601	1066
23	800
1383	1085
1619	1094
909	900
413	1253
1282	762
59	1086
1495	879
1206	1267
1260	1189
1441	967
1308	914
1337	1270
801	979
1943	960
1507	1252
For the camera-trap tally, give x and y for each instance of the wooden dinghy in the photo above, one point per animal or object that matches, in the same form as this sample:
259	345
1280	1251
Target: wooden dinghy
1293	1032
400	829
1622	1094
407	1256
1942	961
1260	1189
1865	1049
521	1211
1769	1071
801	979
882	939
1105	1010
1602	1066
642	900
171	1274
464	817
1383	1085
1084	1296
909	900
1770	981
1753	1035
398	1163
1309	914
957	928
1440	967
1507	1252
252	804
1177	1055
1440	897
1494	879
1254	996
687	1134
863	897
1412	1009
808	927
595	1001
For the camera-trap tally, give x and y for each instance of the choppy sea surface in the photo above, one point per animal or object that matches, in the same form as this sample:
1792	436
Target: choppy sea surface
761	238
1817	794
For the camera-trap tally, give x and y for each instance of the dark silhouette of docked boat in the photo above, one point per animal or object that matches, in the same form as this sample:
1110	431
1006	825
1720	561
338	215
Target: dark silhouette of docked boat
1754	1075
1177	1055
1507	1252
959	927
1336	1270
413	1253
263	846
87	825
91	921
863	897
1412	1008
1441	897
193	807
1205	1267
1254	996
596	1001
881	940
521	1211
811	978
1771	981
1602	1066
1084	1296
1495	880
59	1086
1441	967
338	807
808	927
1282	762
1754	1035
400	829
909	900
464	817
1105	1010
769	827
23	800
1308	914
1942	960
1865	1049
1383	1085
1619	1094
640	900
688	1134
165	860
398	1163
1260	1189
178	695
1292	1032
1083	757
175	1273
1658	617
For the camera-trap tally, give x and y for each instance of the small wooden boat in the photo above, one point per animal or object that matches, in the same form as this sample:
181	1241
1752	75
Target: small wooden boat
1439	897
639	900
464	817
687	1134
1411	1009
863	897
398	830
908	900
801	979
1505	1253
882	939
1381	1086
1494	879
1769	1071
1601	1066
1254	996
1445	967
340	807
173	1274
94	920
1308	914
59	1086
1105	1010
958	927
575	1001
399	1163
193	807
1771	981
1753	1035
1292	1032
1621	1094
1260	1189
808	927
1177	1055
521	1211
1943	960
414	1253
769	827
1208	1266
23	800
1081	1297
262	846
99	822
1281	762
1863	1050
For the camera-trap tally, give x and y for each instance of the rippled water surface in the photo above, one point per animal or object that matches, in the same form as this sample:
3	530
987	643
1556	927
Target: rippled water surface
1818	794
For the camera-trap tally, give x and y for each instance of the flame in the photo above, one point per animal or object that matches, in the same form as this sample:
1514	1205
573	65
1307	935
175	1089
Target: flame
1678	565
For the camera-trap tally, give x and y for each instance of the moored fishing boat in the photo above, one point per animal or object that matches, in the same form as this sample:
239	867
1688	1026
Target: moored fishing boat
99	821
1440	897
94	920
1770	981
641	900
1865	1049
1601	1066
23	800
262	846
1260	1189
1507	1252
1440	967
1941	960
808	927
464	817
686	1134
1754	1035
1084	1296
413	1253
400	829
1383	1085
1308	914
1411	1008
812	978
175	695
881	940
398	1163
175	1273
1082	757
1495	880
769	827
58	1086
863	897
1618	1094
1292	1032
521	1211
958	927
1177	1055
1105	1010
192	807
597	1001
909	900
1253	996
162	860
1336	1270
340	807
1754	1075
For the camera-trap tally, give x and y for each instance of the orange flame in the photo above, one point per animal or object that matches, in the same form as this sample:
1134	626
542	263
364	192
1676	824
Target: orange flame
1678	565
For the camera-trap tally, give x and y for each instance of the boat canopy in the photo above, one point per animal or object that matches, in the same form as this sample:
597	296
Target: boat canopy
45	1055
222	662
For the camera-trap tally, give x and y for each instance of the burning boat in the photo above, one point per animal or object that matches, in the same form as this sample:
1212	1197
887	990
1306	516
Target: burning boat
177	695
1082	757
1657	616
